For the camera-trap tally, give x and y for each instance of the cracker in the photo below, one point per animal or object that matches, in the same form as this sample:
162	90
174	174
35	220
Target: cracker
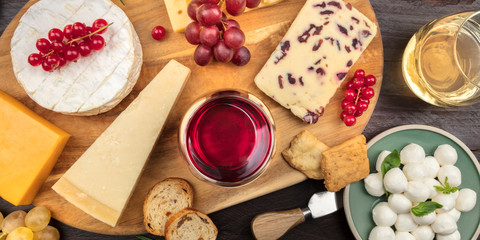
345	163
305	154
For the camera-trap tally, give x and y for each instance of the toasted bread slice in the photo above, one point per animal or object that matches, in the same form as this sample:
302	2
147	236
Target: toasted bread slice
305	154
164	200
190	224
345	163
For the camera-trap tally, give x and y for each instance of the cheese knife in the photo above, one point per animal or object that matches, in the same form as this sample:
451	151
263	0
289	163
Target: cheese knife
273	225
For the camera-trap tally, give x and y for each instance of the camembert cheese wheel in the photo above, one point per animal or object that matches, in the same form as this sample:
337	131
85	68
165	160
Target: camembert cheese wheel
91	85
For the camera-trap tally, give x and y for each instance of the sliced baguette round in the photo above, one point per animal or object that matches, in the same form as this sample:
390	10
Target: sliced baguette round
190	224
164	200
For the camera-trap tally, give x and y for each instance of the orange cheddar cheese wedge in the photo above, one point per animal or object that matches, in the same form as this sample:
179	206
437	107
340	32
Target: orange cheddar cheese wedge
29	148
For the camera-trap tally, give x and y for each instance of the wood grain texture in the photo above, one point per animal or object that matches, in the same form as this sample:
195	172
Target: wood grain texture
264	28
398	20
273	225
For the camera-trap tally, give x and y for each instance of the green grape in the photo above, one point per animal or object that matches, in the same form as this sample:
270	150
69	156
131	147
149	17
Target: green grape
37	218
13	220
20	233
48	233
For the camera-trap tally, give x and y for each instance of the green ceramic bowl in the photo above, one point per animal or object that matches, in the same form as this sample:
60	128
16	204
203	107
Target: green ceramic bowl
359	204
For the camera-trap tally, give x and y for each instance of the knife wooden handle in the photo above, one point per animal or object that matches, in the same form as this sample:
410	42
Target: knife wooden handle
273	225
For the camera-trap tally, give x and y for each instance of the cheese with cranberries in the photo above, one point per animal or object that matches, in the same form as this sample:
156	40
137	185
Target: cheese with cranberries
314	57
92	85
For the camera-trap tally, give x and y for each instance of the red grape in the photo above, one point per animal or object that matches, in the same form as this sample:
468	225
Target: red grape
241	56
209	14
370	80
78	29
97	42
203	55
192	9
43	45
222	53
210	1
55	34
71	54
357	82
367	93
360	73
350	95
35	59
253	3
209	36
67	31
99	23
158	33
234	38
84	49
231	23
349	120
192	33
58	46
235	7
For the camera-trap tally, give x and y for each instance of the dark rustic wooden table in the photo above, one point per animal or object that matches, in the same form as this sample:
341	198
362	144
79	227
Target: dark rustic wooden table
397	105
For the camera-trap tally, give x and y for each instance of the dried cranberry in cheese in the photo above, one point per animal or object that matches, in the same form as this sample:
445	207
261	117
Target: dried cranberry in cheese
314	57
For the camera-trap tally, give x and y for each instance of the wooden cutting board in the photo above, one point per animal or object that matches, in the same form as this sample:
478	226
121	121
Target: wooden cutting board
264	29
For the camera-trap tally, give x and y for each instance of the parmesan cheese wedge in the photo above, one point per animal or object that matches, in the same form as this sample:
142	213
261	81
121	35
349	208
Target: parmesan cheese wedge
102	180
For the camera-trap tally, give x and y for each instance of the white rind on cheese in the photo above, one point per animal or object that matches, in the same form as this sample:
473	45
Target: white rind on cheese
314	57
103	178
78	88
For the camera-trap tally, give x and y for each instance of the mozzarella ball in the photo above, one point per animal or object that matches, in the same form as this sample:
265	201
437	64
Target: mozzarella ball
425	220
382	233
455	214
423	233
444	224
431	183
466	200
445	155
431	167
453	173
412	153
405	222
447	201
383	215
395	181
417	191
414	171
380	159
374	184
452	236
404	236
399	203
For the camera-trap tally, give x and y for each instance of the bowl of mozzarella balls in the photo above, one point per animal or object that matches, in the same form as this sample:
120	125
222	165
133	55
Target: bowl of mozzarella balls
418	194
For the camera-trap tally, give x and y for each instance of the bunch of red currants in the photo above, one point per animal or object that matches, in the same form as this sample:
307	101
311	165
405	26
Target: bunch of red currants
68	45
357	97
215	35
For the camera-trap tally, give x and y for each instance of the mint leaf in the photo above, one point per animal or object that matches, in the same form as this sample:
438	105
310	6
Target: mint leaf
446	189
424	208
124	5
142	237
392	160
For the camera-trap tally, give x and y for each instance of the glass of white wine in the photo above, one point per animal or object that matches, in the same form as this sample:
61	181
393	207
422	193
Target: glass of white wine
441	63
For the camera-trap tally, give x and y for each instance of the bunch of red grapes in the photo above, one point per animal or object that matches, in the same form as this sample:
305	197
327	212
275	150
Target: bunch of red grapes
215	35
68	45
357	97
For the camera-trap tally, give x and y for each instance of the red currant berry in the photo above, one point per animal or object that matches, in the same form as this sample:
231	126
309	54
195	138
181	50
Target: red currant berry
367	93
360	73
345	102
350	108
358	113
99	23
58	46
78	29
52	60
46	67
350	95
362	106
55	34
67	32
364	101
358	82
158	33
63	61
343	115
350	85
370	80
35	59
349	120
71	54
97	42
84	49
88	30
43	45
